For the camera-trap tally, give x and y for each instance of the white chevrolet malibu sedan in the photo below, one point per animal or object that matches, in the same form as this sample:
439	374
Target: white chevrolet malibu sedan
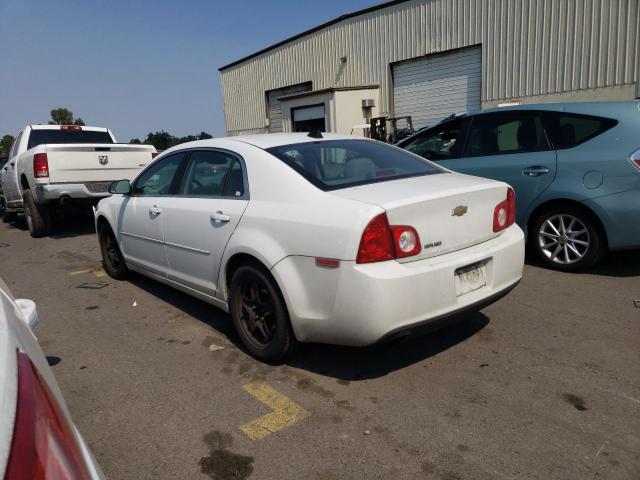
314	238
38	439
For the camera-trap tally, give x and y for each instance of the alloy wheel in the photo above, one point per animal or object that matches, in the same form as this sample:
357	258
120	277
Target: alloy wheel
564	239
113	256
257	314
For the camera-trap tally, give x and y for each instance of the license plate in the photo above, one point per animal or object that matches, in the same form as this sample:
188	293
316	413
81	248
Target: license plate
471	278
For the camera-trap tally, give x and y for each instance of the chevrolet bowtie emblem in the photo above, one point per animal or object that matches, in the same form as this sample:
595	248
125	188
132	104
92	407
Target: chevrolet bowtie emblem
459	211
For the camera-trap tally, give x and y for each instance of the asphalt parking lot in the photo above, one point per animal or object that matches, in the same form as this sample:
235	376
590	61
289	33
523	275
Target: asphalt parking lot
544	384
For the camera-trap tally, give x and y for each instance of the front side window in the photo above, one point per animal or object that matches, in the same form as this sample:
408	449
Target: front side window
335	164
213	174
568	129
438	143
509	132
158	178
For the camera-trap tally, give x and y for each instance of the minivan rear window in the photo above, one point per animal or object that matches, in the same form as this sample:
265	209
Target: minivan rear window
566	130
43	137
336	164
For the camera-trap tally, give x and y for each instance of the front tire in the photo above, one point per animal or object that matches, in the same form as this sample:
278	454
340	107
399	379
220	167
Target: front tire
38	216
567	238
112	258
260	315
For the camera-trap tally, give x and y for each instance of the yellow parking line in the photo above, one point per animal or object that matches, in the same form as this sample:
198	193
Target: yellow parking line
97	272
285	412
79	272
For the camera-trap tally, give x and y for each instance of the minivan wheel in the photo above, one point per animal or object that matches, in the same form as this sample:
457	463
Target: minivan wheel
112	259
567	238
38	216
259	314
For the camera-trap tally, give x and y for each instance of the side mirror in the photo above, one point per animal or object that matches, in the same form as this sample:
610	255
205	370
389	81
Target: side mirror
29	312
122	187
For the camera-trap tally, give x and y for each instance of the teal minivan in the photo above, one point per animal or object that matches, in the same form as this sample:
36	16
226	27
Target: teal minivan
575	168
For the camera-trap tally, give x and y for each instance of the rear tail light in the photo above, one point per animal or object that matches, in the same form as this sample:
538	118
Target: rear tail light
44	446
40	165
405	240
70	127
154	155
635	158
381	242
504	214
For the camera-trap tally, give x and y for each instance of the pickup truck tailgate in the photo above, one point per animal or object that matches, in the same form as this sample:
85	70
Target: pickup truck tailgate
92	163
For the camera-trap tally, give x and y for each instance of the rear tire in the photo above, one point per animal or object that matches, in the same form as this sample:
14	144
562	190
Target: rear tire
112	258
260	315
38	216
567	238
9	217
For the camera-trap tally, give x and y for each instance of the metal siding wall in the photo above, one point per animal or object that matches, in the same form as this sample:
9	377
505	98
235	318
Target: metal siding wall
530	47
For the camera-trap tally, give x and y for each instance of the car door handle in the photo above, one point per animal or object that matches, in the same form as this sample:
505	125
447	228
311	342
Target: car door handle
220	217
155	210
535	171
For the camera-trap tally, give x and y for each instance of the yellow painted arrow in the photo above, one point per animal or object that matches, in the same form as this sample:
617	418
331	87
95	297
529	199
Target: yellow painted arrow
285	412
98	272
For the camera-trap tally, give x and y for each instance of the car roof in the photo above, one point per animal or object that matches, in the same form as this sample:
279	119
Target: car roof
562	107
268	140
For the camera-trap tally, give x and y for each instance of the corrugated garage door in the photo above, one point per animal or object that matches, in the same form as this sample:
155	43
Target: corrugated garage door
273	104
435	86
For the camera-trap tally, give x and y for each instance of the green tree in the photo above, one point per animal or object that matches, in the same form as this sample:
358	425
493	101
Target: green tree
64	116
163	140
5	145
135	141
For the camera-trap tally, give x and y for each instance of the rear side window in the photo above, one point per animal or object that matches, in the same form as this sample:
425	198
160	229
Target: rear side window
213	174
566	130
503	133
335	164
43	137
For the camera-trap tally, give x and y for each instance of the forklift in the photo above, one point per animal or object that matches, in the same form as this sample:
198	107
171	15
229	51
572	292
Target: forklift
390	129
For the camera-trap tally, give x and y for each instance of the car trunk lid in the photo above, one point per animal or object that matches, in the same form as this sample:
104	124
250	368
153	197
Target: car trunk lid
449	211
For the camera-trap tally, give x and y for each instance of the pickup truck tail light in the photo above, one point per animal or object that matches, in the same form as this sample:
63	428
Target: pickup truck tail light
381	241
154	155
40	165
504	214
44	446
70	127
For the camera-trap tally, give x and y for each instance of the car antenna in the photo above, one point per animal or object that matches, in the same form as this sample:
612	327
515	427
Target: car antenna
315	134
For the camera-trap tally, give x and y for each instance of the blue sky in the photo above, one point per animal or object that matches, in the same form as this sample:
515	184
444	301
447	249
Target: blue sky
137	66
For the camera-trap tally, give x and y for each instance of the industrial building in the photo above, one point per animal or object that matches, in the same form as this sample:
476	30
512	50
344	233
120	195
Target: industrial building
431	58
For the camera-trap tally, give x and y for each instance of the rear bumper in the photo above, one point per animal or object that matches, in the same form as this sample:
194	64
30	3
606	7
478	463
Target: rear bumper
363	304
620	216
77	191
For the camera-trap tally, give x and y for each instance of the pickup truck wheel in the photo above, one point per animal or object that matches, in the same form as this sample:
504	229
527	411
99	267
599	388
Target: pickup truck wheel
260	315
112	258
38	216
9	217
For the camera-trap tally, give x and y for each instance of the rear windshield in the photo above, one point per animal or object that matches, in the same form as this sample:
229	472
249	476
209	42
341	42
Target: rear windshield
40	137
335	164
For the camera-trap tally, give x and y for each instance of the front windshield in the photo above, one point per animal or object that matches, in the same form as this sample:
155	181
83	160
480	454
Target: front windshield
335	164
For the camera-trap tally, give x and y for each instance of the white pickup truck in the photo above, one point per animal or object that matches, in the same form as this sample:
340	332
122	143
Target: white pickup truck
53	167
